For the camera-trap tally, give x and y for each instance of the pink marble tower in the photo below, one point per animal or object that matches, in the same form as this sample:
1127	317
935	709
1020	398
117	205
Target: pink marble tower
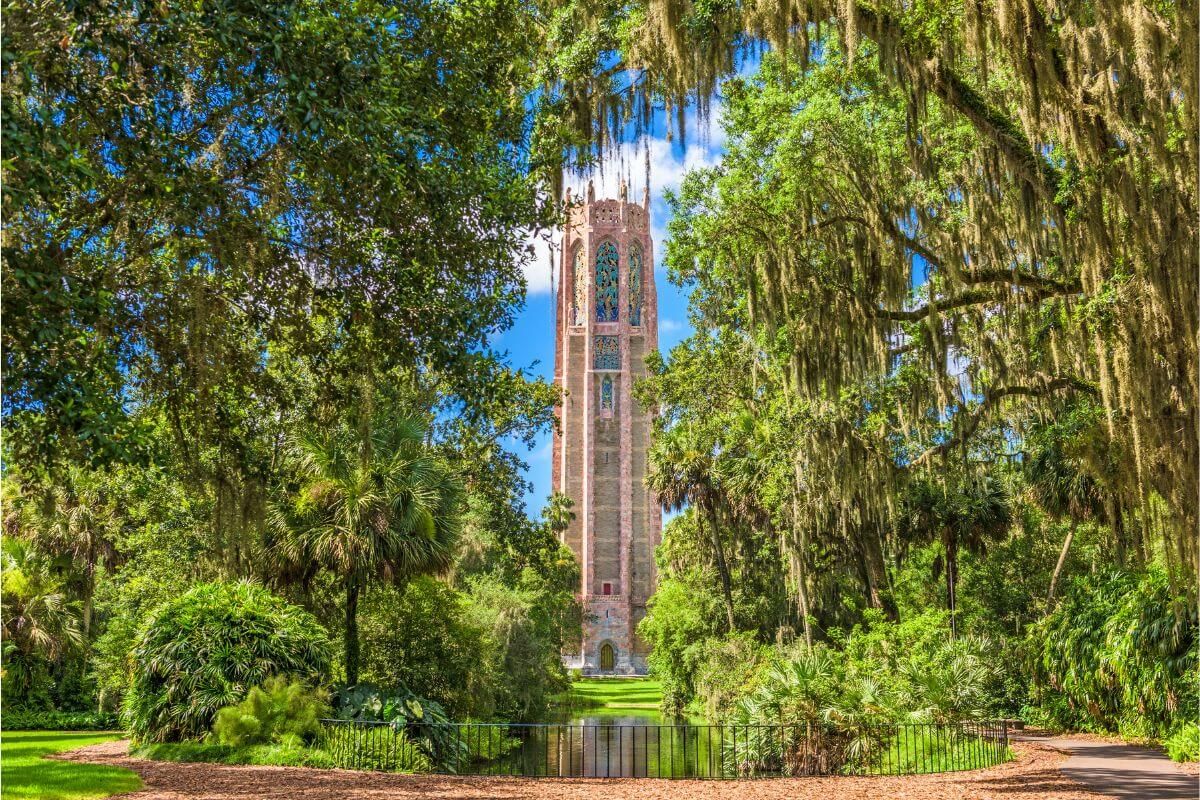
607	323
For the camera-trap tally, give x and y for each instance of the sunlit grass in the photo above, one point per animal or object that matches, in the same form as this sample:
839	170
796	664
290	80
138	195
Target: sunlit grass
616	693
24	773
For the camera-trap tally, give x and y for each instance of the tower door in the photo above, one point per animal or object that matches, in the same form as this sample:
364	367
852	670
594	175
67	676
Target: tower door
608	657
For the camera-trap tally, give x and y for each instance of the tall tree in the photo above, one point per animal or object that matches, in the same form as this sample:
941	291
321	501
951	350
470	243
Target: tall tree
369	501
682	474
192	189
966	516
1030	164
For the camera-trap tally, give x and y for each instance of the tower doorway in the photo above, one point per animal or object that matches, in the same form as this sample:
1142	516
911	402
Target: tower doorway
608	657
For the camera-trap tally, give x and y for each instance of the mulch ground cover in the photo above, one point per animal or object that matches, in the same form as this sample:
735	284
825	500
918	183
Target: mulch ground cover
1034	775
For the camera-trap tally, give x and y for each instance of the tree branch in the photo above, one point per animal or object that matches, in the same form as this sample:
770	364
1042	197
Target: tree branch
1045	385
1002	131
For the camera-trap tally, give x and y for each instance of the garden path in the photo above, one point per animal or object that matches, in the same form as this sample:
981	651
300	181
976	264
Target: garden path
1124	771
1034	775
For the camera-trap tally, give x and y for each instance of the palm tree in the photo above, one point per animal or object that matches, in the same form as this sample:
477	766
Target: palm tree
967	516
38	620
1062	483
682	473
73	521
368	502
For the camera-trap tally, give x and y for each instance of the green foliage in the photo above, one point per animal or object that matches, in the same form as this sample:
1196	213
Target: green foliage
309	137
1122	650
367	702
288	754
850	700
1184	743
17	720
417	726
525	623
422	637
204	650
729	670
281	710
882	672
40	623
676	631
489	742
369	499
26	773
390	747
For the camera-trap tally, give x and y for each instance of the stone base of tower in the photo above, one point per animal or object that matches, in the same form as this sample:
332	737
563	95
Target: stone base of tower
610	644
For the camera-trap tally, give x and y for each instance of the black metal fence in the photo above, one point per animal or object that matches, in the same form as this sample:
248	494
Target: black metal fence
598	750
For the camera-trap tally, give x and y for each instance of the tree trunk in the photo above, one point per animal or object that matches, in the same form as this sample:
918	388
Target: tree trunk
1062	559
351	640
722	566
802	558
876	572
951	580
89	593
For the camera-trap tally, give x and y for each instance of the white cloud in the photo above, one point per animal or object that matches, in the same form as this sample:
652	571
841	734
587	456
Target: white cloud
542	262
667	325
668	166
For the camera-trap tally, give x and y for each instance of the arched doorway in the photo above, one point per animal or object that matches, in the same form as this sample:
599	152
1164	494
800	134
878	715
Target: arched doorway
608	657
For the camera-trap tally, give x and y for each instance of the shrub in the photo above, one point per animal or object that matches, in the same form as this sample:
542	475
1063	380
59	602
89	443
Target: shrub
419	636
279	711
267	755
202	651
489	742
1184	743
729	671
377	747
1123	649
60	721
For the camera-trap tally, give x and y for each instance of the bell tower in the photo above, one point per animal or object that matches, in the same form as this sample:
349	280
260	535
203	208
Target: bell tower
607	321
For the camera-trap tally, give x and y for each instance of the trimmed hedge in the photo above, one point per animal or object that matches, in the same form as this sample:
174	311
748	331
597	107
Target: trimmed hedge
59	721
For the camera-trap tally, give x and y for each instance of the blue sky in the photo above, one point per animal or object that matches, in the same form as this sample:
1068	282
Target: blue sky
530	342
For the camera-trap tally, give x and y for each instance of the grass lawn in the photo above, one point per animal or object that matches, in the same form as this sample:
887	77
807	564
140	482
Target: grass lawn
617	693
25	774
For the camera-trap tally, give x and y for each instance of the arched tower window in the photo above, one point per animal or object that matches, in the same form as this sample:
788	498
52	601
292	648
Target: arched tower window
635	284
607	262
581	304
606	396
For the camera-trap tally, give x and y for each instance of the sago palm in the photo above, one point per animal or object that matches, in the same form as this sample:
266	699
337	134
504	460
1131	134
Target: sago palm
369	502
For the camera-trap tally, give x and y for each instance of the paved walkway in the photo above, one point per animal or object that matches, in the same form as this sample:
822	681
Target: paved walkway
1123	771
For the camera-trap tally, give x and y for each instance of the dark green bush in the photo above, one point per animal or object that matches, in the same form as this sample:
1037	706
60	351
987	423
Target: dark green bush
202	651
60	721
280	711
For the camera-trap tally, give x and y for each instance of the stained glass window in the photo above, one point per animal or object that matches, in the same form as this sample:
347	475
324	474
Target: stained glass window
606	352
606	395
635	284
580	312
606	282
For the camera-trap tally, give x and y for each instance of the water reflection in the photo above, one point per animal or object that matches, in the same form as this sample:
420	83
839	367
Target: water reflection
616	745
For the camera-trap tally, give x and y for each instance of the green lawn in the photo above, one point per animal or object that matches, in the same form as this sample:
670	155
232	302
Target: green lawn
25	774
617	693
